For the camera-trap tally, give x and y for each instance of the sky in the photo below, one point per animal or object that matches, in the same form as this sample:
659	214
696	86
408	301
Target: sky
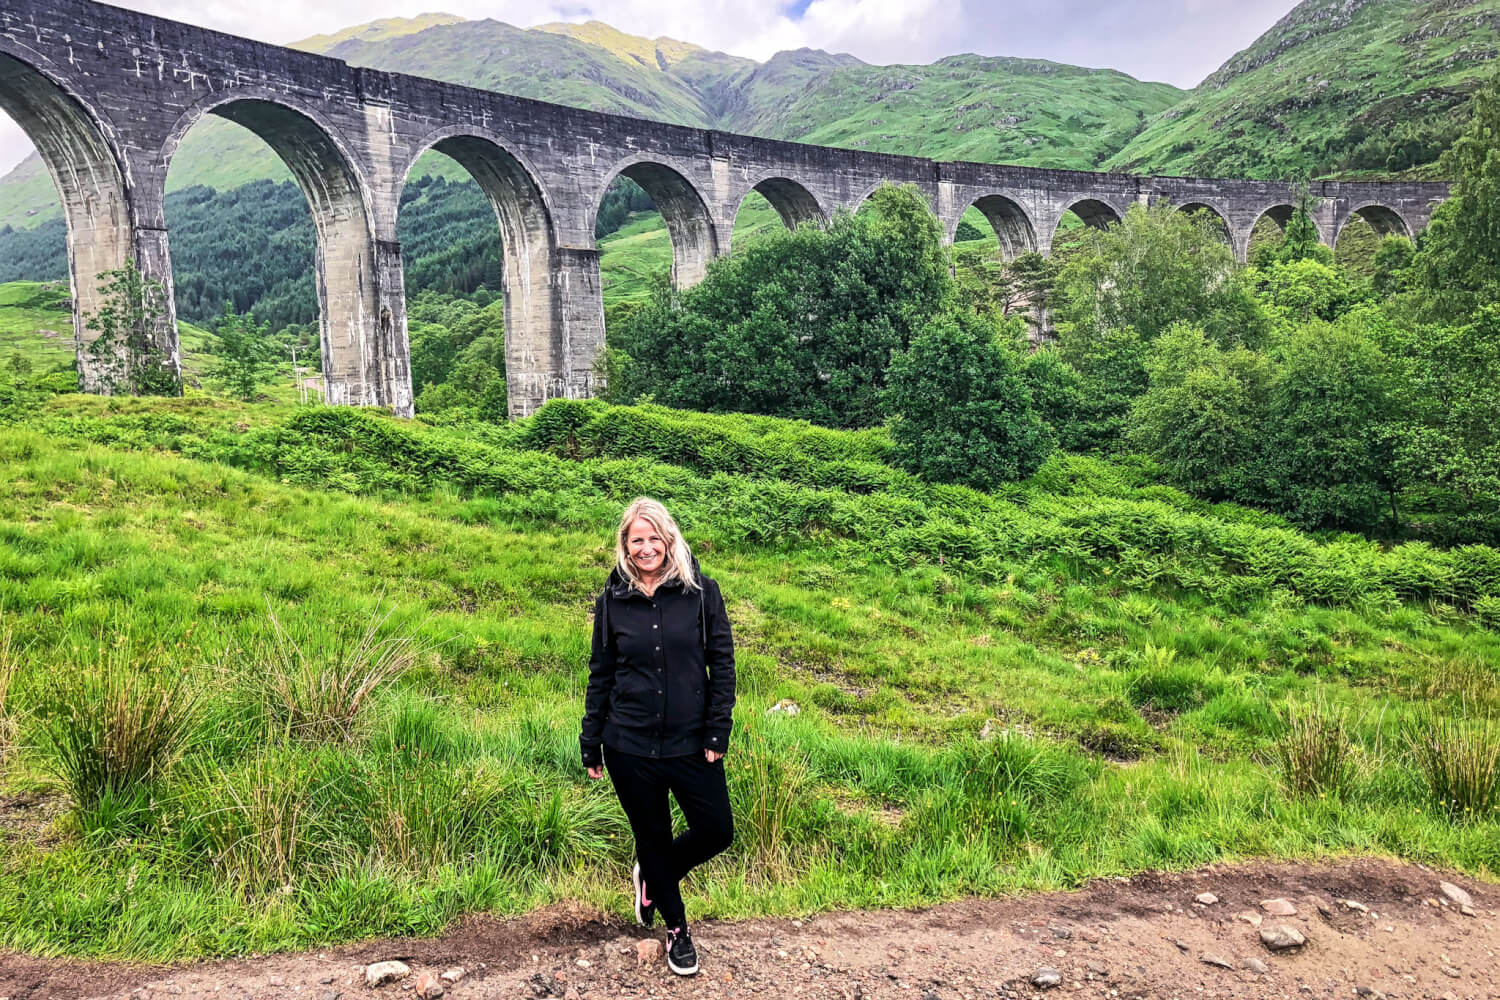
1175	41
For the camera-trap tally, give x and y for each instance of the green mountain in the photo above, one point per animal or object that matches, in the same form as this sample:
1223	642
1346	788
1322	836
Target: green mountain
1357	87
962	107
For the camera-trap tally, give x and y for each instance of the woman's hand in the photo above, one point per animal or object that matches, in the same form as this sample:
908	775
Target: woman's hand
596	773
713	757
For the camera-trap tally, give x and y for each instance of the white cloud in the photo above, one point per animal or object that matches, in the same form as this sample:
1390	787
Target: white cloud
1178	41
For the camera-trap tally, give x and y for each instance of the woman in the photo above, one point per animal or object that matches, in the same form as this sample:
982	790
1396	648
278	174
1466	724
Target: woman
658	711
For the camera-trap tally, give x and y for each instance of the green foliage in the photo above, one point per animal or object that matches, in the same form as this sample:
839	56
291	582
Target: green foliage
1203	417
1129	284
797	324
962	408
1459	256
900	614
126	351
246	356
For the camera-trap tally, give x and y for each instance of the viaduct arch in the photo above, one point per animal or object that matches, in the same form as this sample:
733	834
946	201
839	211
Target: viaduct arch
105	94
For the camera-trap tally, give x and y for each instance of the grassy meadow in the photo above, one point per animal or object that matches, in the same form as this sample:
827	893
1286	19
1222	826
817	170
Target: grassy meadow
277	676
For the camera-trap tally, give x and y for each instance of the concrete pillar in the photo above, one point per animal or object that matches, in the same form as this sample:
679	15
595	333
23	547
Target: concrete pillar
362	316
581	309
392	351
154	260
155	366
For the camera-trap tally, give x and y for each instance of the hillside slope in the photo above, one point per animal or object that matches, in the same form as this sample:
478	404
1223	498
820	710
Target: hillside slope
1354	87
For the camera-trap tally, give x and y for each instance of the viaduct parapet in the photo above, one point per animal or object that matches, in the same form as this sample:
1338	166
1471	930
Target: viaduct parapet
107	94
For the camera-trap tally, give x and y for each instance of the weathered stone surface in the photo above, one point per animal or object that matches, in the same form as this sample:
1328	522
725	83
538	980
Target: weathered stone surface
1457	895
1206	898
1256	966
1046	977
453	975
1213	958
107	119
647	951
384	972
1281	937
429	986
1278	907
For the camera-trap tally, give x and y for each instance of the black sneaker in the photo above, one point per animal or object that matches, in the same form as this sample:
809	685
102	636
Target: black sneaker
682	957
645	910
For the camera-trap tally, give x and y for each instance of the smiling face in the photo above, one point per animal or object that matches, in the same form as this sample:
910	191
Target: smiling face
646	548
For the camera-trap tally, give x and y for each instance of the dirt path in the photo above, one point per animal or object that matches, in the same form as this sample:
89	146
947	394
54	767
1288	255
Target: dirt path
1147	936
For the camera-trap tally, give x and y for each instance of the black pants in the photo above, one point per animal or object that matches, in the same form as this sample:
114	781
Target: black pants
642	784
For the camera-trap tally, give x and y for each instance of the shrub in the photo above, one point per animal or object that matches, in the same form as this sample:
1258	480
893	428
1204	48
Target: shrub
108	731
1459	759
1312	749
963	411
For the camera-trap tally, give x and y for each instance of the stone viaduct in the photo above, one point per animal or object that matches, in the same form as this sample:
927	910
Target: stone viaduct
107	94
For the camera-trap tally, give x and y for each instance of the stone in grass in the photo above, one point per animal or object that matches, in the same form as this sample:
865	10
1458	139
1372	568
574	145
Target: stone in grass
1209	958
1046	977
1281	937
384	972
1278	907
1456	894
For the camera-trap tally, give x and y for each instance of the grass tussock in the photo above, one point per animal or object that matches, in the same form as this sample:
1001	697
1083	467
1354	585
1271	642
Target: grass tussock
110	730
1459	760
10	665
317	688
1312	750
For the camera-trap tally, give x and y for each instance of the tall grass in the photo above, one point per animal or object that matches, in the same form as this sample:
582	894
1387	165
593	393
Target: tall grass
316	689
111	729
10	665
1459	759
1313	749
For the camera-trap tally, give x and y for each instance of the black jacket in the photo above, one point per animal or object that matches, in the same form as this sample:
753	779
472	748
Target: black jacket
661	676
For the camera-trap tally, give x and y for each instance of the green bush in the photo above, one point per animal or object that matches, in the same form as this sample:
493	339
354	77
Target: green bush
962	410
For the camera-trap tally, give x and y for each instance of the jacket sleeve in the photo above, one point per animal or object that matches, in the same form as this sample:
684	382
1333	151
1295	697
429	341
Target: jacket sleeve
601	683
718	656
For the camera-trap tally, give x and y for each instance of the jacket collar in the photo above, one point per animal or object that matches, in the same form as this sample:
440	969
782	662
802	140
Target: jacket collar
620	587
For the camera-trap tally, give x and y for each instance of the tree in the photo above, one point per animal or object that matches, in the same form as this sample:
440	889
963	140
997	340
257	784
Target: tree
1458	257
1204	413
1326	459
127	352
1129	284
796	324
1156	268
962	409
246	357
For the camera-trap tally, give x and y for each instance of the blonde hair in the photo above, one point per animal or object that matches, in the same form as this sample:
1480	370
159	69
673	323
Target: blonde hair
678	558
